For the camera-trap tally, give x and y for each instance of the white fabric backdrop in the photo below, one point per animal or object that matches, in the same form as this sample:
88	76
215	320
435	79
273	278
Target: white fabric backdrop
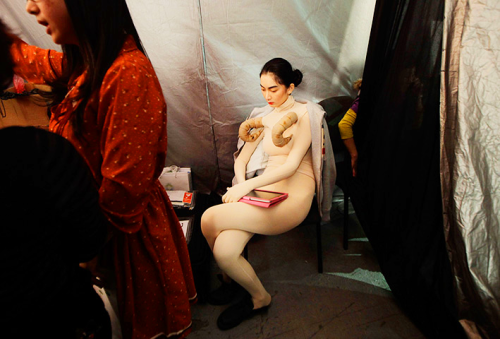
208	55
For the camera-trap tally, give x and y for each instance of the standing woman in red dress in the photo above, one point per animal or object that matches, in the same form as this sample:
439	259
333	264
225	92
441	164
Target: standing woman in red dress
108	102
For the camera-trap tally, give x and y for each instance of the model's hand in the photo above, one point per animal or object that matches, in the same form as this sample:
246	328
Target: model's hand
235	193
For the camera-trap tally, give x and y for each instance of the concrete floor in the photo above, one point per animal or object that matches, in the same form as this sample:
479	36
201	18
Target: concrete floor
349	300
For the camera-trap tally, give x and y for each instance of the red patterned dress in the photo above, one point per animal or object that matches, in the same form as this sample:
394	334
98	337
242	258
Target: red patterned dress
124	126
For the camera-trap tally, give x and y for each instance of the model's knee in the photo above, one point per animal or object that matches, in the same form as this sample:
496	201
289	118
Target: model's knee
207	223
225	255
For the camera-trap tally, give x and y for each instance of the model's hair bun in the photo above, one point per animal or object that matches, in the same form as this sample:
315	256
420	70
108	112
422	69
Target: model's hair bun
298	77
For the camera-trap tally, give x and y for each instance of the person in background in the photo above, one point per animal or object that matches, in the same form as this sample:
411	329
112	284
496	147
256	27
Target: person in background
291	134
345	127
51	222
107	101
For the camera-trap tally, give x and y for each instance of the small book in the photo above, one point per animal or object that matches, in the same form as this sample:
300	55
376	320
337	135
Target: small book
182	199
264	198
187	198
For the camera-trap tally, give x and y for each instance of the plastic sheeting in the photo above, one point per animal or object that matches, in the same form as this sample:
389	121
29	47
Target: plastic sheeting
470	125
208	55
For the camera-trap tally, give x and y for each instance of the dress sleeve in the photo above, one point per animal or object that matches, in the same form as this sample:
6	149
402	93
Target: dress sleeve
34	64
345	125
133	141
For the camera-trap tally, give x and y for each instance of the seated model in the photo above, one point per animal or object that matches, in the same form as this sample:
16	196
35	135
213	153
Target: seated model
287	129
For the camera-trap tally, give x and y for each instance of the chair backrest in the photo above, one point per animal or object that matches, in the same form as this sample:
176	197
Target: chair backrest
335	108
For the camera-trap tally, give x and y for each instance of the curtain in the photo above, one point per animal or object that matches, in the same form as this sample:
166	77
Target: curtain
397	193
470	121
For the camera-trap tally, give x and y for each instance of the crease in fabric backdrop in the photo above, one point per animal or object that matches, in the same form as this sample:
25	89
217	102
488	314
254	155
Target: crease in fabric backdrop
397	193
470	121
214	142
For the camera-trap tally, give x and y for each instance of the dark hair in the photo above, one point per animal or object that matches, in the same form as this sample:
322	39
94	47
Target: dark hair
6	64
283	72
101	28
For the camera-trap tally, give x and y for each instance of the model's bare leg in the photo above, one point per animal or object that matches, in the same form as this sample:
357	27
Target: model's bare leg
227	252
228	227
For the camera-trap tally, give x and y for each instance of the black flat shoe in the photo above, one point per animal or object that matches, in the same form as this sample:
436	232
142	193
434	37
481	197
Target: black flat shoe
225	293
235	314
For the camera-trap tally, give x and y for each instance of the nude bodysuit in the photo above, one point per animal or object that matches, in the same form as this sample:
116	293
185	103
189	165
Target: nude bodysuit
228	227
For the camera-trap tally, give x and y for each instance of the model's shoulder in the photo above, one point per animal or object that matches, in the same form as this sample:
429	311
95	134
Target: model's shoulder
315	109
300	108
300	103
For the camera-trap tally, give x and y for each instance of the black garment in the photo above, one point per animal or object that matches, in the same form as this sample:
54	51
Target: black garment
50	222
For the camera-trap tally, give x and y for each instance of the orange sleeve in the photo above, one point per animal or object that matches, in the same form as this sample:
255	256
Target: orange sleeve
133	141
34	64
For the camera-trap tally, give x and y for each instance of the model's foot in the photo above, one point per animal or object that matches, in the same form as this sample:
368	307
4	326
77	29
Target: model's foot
262	302
235	314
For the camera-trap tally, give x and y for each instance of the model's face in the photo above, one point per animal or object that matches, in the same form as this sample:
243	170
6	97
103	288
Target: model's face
53	14
274	93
